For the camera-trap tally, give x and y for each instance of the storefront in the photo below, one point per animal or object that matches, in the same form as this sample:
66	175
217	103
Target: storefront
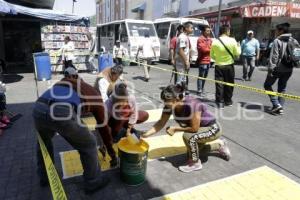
262	18
25	31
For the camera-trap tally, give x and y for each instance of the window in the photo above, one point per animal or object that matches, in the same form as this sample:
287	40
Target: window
163	30
139	30
103	31
173	30
110	30
124	35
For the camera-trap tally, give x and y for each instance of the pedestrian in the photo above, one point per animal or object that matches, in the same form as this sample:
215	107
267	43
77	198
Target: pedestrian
199	125
5	122
58	110
224	51
107	79
92	67
172	51
183	48
250	53
204	46
67	52
123	113
147	54
119	51
280	64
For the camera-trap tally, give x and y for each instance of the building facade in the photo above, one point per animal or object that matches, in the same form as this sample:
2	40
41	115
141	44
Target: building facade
111	10
261	16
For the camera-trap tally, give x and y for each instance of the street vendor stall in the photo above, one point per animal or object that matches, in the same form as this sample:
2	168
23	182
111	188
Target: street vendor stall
24	31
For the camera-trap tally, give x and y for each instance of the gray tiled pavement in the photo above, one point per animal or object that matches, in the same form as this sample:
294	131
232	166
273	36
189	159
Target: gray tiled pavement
272	141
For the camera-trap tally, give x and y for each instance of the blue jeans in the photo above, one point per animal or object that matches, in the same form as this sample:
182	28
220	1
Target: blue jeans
248	62
283	78
80	138
203	72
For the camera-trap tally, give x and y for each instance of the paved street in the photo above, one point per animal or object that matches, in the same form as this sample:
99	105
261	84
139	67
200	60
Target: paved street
255	138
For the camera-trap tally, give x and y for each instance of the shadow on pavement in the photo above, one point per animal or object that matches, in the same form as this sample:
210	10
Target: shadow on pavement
18	167
11	78
259	107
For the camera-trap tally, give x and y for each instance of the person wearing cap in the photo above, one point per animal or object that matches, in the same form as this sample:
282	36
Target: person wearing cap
58	110
119	51
250	52
107	79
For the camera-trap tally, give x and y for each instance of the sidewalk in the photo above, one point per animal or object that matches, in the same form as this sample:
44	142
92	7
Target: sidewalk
271	142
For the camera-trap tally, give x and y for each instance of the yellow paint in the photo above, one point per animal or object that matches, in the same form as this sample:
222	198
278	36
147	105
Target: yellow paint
139	148
262	183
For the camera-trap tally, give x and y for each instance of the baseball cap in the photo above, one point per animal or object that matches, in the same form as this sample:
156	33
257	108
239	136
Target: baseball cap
70	71
250	32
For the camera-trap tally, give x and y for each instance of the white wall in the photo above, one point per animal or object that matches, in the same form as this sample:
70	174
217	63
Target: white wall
196	4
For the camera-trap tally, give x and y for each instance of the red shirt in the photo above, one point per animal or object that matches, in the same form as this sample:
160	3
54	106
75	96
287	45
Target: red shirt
204	47
173	43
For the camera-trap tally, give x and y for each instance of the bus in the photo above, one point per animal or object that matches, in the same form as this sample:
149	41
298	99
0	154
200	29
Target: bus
131	34
166	30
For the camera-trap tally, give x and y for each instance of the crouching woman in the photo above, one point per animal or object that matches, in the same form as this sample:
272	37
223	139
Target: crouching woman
201	130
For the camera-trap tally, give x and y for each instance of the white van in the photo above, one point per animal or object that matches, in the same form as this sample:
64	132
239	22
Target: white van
166	30
130	32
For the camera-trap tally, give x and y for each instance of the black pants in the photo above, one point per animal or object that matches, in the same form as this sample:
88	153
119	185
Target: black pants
223	92
68	63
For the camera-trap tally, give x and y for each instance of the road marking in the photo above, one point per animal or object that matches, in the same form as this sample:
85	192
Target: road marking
258	184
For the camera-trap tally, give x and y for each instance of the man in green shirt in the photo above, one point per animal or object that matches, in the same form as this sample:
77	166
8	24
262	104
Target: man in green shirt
224	51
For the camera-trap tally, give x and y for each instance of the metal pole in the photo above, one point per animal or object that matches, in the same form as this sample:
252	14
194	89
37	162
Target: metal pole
73	7
219	18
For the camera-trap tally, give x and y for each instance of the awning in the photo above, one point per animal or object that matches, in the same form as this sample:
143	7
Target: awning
139	8
46	14
6	8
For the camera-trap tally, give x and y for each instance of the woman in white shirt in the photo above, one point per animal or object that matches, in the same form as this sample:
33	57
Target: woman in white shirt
67	52
107	79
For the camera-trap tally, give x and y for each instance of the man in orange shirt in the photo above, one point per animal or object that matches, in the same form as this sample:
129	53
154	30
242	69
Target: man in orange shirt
204	46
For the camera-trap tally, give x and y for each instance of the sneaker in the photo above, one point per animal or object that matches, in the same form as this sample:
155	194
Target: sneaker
249	79
224	151
5	119
199	92
229	104
191	166
91	188
4	126
280	111
146	79
220	106
275	109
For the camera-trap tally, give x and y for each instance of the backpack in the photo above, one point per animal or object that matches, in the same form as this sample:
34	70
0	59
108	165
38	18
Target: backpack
291	57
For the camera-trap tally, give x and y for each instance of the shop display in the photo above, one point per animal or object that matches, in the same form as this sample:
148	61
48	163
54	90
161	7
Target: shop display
53	35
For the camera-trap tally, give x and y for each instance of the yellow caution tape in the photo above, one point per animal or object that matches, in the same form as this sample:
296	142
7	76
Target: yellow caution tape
58	192
257	90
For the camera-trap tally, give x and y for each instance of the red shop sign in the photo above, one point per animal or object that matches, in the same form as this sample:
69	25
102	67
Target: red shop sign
275	9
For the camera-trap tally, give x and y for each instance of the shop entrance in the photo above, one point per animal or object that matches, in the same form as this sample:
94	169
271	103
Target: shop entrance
21	39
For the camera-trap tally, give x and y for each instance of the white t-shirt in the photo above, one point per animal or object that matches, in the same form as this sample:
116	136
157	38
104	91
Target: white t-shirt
182	42
147	48
103	88
119	52
67	51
